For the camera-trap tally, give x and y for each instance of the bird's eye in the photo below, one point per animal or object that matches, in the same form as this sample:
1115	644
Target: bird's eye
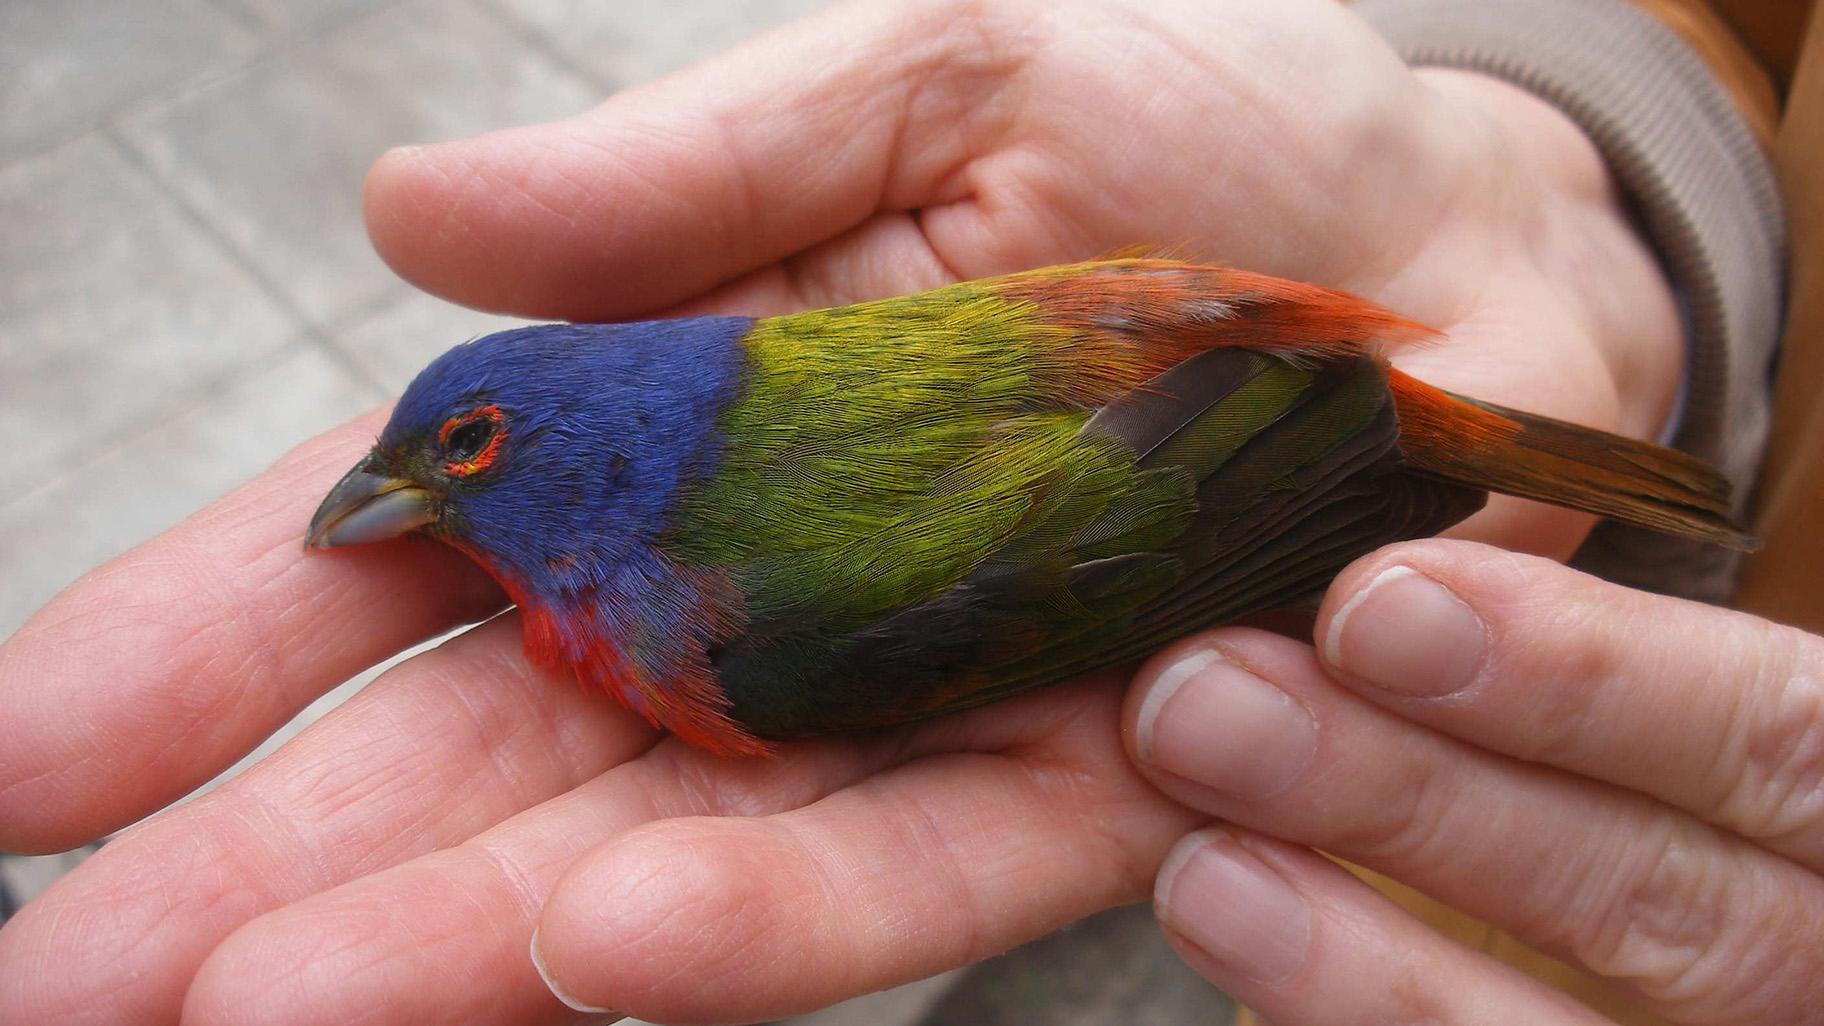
471	441
467	440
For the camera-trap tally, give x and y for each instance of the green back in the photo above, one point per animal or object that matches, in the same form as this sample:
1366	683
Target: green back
868	469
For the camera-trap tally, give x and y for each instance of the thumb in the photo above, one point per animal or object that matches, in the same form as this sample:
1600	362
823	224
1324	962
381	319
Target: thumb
671	188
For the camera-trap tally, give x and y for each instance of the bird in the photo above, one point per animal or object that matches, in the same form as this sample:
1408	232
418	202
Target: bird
756	530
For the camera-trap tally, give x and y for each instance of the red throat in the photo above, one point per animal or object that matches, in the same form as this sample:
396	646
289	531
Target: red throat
689	702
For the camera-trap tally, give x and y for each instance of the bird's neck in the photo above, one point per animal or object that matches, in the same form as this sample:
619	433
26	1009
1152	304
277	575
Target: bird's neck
643	634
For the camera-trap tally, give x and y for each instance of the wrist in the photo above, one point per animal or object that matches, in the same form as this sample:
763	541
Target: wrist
1571	224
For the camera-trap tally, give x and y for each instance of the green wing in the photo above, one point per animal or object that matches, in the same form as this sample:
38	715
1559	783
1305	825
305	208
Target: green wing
884	451
924	525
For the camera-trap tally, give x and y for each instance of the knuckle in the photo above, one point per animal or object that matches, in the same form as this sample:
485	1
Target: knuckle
1415	998
1531	651
1679	923
704	791
1651	918
1406	823
1772	771
1105	825
692	931
1549	661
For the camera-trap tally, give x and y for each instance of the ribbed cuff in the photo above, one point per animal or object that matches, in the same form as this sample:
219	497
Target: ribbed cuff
1678	148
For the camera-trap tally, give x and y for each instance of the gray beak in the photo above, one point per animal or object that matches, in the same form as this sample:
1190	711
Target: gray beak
369	505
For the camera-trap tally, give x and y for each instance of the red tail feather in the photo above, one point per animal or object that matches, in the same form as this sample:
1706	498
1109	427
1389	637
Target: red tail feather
1535	457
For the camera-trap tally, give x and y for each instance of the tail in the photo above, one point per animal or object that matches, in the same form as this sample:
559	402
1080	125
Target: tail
1503	450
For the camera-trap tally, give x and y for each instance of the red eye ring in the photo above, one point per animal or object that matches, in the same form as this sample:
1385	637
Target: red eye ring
483	459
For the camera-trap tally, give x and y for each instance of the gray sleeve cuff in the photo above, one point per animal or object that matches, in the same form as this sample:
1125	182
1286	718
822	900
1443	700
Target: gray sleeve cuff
1705	192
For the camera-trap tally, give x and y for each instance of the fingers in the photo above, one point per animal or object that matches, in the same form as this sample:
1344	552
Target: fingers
933	865
441	746
1300	941
446	937
1716	712
154	673
1247	726
669	189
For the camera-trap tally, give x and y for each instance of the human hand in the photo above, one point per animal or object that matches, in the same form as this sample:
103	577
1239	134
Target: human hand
1629	782
390	864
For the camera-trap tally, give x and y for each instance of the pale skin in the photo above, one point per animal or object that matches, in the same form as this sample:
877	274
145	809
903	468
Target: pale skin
392	864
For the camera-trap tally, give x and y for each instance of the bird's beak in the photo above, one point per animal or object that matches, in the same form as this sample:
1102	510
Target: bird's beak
367	505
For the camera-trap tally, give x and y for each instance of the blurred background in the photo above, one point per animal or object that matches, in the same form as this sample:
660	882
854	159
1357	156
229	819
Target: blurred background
186	291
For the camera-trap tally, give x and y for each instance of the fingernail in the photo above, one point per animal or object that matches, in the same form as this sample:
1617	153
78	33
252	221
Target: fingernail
1407	633
411	151
1219	896
1206	719
538	963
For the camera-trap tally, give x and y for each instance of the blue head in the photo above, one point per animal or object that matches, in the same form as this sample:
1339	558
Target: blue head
552	451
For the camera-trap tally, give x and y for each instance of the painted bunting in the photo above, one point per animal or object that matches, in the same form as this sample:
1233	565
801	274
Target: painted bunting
752	530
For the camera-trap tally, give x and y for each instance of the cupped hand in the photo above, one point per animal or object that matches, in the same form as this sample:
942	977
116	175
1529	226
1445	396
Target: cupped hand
1630	782
392	863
